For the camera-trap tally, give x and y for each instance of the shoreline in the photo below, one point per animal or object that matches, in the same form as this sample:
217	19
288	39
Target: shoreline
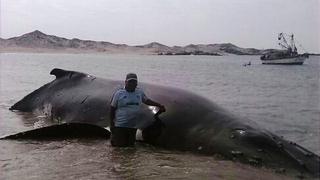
116	52
110	52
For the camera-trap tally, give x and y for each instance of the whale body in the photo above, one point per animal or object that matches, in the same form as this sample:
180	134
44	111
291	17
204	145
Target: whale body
191	122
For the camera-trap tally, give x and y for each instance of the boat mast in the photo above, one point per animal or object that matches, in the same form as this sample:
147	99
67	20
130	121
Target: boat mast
293	46
283	43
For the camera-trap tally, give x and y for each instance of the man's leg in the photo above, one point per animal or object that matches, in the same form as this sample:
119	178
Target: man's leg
131	132
118	137
122	137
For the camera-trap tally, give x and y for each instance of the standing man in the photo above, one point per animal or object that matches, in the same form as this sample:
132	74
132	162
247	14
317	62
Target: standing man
124	108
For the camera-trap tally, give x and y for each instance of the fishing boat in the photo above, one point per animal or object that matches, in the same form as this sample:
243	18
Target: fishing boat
288	56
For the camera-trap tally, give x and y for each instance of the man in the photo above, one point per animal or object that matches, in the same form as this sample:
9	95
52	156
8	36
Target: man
124	108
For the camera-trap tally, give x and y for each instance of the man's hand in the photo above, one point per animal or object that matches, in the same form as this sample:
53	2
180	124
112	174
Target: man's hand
162	109
153	103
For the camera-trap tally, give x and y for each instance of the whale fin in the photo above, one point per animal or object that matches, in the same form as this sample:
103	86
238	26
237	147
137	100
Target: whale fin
59	73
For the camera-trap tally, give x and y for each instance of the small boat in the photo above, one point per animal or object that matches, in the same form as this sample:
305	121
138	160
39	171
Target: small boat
288	56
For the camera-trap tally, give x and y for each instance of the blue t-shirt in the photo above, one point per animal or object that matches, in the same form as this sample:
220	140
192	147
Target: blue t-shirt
128	105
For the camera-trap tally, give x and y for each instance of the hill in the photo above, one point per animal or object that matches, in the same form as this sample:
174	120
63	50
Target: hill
38	41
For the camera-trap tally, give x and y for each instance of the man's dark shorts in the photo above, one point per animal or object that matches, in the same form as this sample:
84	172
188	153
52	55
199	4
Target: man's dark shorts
121	136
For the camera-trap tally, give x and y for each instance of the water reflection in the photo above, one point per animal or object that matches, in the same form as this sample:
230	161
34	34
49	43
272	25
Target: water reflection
124	161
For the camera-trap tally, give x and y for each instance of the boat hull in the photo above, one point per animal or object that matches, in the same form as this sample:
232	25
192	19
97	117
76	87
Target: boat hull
299	60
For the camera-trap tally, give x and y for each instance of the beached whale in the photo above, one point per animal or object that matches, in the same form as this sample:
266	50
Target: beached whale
192	123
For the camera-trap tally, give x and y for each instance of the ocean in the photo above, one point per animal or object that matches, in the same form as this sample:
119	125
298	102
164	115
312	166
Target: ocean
282	99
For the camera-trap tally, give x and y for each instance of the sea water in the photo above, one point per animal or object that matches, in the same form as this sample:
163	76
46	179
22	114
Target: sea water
282	99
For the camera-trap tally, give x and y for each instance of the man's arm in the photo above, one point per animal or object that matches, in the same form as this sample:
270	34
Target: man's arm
113	107
112	116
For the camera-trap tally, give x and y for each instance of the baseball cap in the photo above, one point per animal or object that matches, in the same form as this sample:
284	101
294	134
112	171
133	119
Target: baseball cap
131	76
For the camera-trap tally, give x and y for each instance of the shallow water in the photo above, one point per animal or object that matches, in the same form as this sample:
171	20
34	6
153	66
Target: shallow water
282	99
93	159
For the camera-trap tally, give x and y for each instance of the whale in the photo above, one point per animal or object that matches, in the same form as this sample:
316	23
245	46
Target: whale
191	122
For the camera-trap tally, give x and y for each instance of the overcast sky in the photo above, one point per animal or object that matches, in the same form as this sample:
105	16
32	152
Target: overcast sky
246	23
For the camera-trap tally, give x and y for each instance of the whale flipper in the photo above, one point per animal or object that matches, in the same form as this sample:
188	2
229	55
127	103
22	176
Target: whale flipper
63	131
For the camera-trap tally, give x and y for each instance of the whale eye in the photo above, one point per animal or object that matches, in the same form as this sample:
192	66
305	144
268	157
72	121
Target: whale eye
241	132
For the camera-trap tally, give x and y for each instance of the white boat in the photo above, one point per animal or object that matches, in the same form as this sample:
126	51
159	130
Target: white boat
295	60
289	56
